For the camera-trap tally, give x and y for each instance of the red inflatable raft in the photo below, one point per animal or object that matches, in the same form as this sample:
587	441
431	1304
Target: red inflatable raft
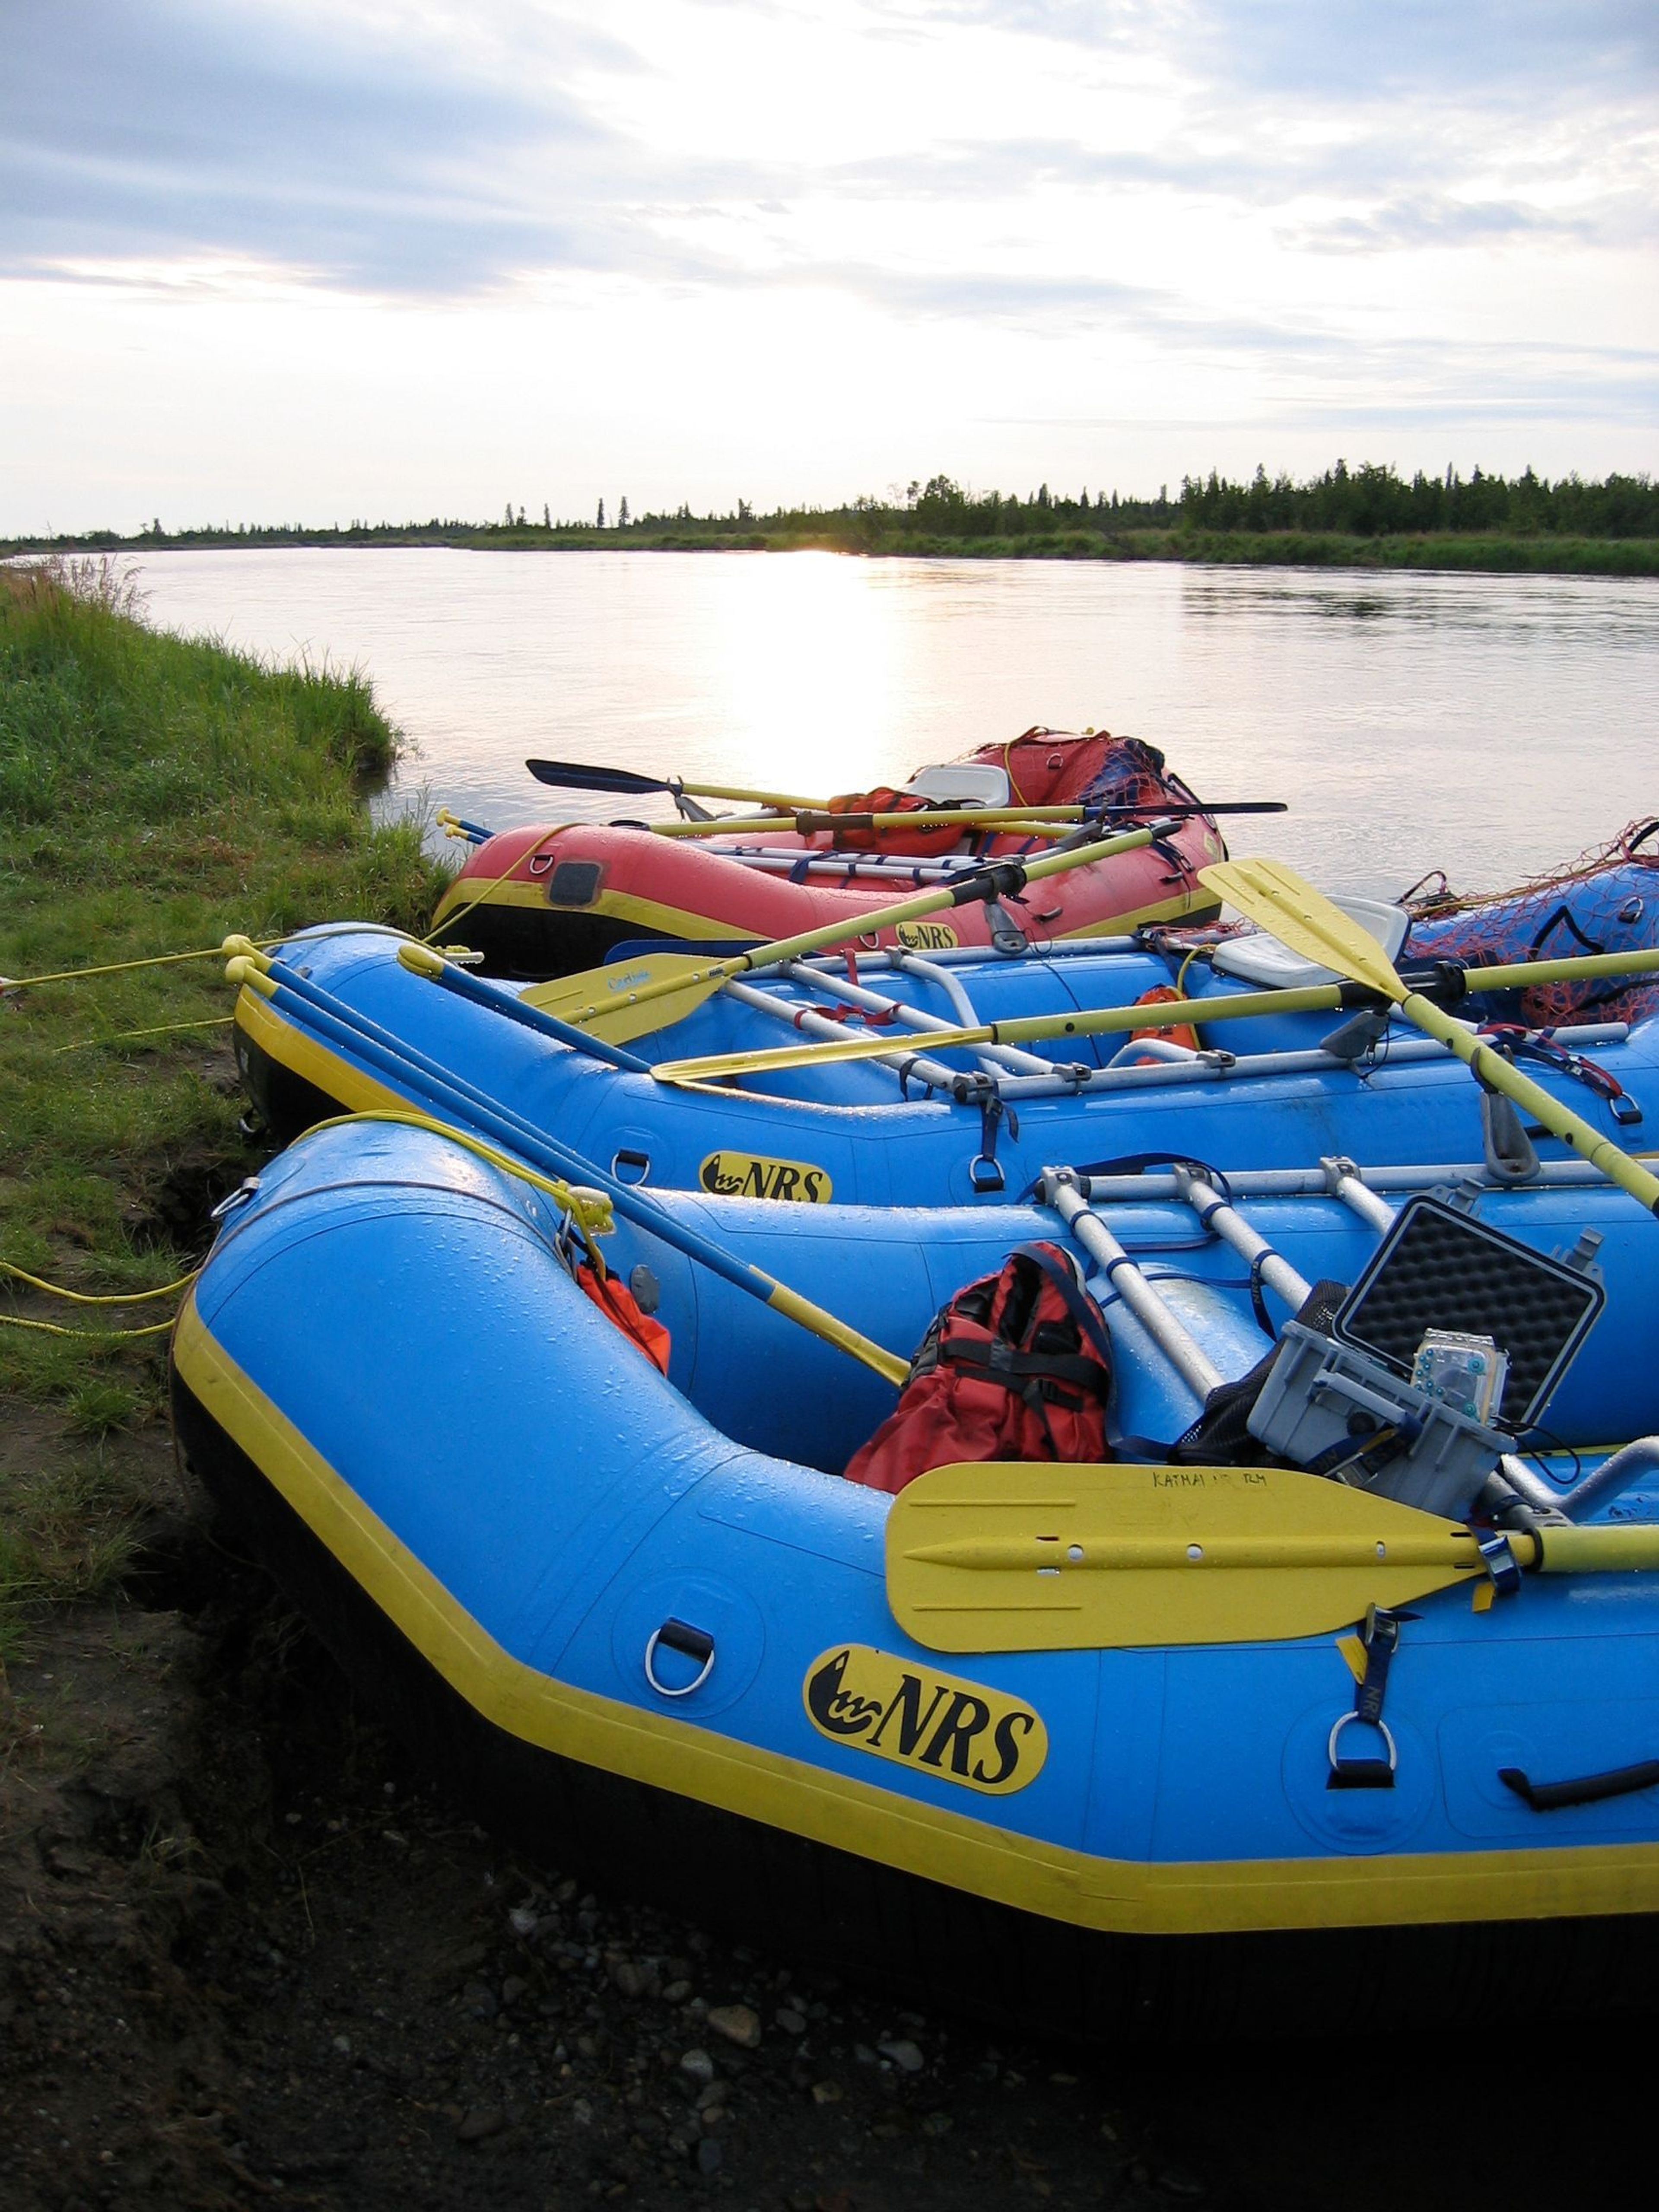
544	901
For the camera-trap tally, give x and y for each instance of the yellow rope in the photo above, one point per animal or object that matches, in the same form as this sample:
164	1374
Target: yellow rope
90	1298
119	967
444	818
86	1335
591	1209
161	1029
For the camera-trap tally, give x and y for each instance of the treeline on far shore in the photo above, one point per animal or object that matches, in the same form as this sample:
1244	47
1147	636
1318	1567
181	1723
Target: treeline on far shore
1368	516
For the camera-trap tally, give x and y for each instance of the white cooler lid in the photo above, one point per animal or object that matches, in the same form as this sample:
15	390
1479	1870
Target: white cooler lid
1263	961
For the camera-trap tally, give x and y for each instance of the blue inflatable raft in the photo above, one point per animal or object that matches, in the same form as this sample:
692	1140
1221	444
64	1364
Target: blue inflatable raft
349	1026
641	1619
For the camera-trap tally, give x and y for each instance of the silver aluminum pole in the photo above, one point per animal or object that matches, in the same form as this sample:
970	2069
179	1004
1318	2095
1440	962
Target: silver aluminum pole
1183	1351
1224	1221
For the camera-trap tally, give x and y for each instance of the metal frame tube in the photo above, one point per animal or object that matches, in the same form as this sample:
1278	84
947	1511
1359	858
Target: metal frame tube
857	994
956	955
1167	1332
1313	1183
968	1014
1534	1492
1344	1182
1225	1221
932	1072
1614	1475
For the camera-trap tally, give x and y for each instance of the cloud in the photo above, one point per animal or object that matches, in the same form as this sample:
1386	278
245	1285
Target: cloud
1410	384
184	128
1357	51
442	149
1061	306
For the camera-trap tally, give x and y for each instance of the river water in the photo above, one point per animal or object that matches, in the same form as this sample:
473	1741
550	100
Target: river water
1489	725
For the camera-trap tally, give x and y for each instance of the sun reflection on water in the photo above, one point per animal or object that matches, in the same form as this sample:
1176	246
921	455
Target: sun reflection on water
806	661
1484	724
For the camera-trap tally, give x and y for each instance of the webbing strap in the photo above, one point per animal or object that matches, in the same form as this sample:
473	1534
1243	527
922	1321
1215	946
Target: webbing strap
1379	1635
1128	1164
1077	1303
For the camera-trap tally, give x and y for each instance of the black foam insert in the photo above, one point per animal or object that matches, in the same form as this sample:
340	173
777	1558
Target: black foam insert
1438	1268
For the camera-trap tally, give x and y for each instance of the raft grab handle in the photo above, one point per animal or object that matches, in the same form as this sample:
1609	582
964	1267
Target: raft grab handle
1585	1790
693	1643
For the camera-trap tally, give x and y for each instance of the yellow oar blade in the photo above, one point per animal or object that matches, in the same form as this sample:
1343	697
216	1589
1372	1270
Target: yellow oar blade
607	1002
632	998
1303	918
1271	894
1002	1557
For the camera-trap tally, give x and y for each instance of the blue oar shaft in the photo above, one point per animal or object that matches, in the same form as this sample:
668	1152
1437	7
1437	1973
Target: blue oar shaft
404	1065
479	992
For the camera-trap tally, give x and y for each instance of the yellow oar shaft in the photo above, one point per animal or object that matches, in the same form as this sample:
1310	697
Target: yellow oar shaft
1241	1005
1109	1553
784	802
810	821
681	981
1027	1029
1606	1550
1519	975
1501	1075
813	1317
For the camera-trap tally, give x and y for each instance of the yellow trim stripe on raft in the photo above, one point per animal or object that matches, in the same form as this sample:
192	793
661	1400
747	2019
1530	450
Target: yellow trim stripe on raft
614	906
340	1079
1195	1898
677	922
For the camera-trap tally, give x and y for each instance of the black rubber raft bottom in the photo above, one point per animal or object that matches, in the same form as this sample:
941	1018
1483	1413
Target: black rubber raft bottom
535	943
937	1944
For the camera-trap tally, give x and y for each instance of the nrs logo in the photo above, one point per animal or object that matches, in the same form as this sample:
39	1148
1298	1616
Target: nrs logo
751	1175
926	936
960	1731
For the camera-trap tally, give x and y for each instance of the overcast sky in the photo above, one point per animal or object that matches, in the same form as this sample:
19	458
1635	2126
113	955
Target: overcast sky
314	259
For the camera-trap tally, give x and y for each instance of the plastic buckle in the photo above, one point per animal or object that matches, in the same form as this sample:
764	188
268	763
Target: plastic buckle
1501	1564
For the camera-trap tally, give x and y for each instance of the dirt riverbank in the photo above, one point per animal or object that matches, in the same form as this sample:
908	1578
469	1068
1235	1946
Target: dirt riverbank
249	1955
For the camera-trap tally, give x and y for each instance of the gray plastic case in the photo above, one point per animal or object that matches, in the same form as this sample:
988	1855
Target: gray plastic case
1439	1267
1318	1390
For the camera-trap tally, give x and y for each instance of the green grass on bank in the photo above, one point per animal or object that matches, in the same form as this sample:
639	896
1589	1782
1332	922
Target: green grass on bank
892	534
1571	556
155	793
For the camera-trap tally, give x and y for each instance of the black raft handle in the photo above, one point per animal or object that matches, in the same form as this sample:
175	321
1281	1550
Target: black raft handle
1586	1789
692	1644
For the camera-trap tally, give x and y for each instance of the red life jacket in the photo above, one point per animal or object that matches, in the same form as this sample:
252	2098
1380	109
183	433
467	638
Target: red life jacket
1017	1366
900	838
